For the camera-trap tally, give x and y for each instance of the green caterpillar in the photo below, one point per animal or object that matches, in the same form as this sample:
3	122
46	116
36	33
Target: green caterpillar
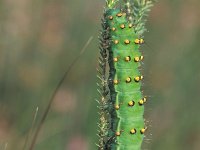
124	84
123	128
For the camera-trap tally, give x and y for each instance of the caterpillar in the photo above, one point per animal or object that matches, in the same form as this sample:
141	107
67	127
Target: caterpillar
123	128
124	82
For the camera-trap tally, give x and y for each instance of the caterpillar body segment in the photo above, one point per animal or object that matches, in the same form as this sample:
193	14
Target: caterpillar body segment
127	123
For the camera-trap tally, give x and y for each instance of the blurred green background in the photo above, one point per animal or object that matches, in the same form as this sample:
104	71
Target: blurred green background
39	39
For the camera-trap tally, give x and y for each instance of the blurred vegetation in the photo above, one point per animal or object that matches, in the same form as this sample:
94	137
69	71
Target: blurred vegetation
39	39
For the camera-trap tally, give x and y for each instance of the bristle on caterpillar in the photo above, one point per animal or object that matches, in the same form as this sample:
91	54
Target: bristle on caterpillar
140	58
143	130
127	41
131	103
139	41
117	107
142	101
117	133
138	78
133	131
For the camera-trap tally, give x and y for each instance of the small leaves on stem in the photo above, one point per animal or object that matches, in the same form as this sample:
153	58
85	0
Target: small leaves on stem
111	3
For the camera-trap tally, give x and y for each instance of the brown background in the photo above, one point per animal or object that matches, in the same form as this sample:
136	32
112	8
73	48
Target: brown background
39	39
